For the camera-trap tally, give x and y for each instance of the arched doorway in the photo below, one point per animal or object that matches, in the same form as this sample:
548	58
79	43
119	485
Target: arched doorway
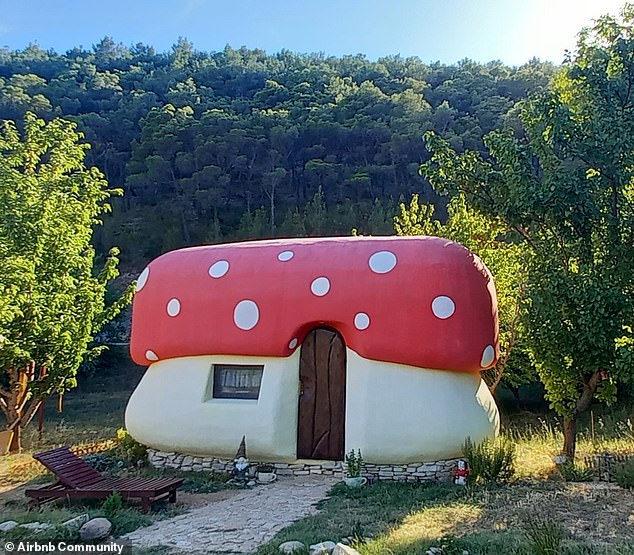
322	398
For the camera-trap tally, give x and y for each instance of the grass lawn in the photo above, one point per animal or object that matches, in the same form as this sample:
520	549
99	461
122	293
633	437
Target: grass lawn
398	519
407	519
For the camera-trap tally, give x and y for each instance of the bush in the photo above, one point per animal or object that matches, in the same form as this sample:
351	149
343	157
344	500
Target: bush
127	520
354	463
129	449
490	461
202	482
265	467
624	474
103	462
53	534
357	533
112	505
545	536
573	473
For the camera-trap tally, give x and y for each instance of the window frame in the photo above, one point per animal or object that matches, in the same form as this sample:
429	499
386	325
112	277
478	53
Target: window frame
216	387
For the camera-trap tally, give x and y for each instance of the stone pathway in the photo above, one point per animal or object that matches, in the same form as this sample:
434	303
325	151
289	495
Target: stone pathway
241	523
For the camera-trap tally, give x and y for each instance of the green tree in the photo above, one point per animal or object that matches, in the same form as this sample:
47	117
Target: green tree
51	300
505	256
198	138
315	215
567	187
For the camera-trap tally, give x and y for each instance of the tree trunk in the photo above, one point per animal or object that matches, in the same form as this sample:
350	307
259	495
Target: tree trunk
570	437
185	228
16	441
16	404
499	372
590	384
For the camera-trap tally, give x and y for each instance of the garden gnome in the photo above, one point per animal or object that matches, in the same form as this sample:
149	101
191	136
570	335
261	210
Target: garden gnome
462	473
241	464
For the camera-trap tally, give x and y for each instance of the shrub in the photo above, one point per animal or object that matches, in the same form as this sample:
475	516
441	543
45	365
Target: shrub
624	474
265	468
545	536
53	534
112	505
357	533
202	482
128	519
573	473
102	462
451	546
354	463
129	449
490	461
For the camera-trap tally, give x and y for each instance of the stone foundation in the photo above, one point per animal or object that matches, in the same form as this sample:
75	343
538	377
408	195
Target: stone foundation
440	471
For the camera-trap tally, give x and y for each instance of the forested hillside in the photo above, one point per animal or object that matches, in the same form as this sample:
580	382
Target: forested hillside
242	144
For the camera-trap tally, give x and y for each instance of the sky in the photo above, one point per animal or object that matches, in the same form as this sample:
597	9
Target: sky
513	31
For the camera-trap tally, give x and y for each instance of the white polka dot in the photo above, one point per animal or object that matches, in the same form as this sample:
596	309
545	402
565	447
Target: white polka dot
285	256
246	315
142	279
443	307
219	269
382	262
488	356
361	321
293	343
151	355
320	286
173	307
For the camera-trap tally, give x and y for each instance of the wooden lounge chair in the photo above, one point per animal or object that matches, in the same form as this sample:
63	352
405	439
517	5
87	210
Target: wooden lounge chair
77	480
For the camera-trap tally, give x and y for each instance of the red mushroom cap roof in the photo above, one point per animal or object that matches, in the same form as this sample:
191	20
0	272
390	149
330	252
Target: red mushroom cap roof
420	301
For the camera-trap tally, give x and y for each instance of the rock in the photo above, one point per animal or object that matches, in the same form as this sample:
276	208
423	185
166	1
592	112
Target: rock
76	523
292	547
8	525
36	526
95	529
251	483
434	551
341	549
323	548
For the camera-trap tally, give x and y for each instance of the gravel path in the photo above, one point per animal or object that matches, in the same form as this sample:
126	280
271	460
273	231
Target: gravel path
241	523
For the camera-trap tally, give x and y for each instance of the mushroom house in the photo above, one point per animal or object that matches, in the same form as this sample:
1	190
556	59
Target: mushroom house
313	347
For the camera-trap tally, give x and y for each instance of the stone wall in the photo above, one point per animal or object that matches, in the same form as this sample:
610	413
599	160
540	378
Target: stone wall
415	472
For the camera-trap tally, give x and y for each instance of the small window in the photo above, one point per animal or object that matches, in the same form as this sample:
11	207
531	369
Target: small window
235	381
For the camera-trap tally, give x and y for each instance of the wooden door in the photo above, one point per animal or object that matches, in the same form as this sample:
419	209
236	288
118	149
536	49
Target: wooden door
322	401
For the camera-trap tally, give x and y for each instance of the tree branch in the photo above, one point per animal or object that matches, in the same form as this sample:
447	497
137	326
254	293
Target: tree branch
30	413
590	385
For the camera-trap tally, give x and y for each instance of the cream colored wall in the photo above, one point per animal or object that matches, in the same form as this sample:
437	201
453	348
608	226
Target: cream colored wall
401	414
394	413
167	410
